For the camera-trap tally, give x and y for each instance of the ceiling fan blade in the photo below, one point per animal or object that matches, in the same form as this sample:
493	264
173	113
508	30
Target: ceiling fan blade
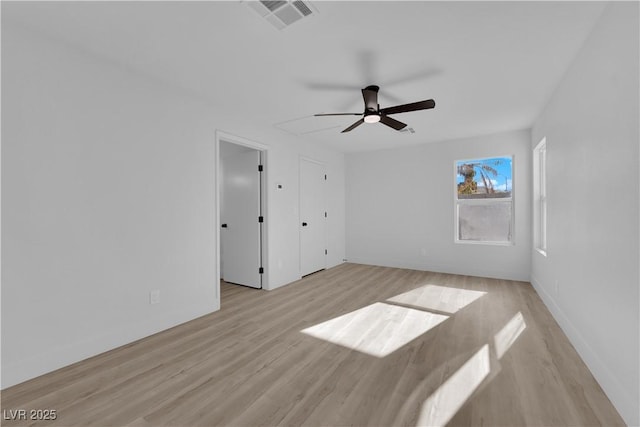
353	126
370	95
405	108
392	122
330	86
337	114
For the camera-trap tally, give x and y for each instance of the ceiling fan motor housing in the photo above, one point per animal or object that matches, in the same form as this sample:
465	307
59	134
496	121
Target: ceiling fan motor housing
370	95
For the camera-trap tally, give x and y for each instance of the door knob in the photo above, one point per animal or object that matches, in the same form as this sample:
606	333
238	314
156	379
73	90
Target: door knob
223	225
304	224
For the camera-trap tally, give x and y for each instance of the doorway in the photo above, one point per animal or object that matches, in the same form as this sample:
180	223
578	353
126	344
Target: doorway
313	217
240	189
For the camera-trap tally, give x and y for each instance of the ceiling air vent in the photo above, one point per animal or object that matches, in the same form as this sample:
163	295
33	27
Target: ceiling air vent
302	7
281	13
273	5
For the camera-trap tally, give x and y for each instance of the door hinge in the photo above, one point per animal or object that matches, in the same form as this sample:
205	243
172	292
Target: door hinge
325	214
325	252
261	270
260	168
325	177
261	219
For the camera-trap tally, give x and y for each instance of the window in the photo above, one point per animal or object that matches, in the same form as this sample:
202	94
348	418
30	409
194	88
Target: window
540	197
484	200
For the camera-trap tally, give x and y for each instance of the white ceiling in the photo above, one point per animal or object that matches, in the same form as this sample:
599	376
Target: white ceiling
490	66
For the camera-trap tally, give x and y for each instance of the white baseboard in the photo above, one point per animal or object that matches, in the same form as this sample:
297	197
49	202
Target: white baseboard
53	359
395	263
618	396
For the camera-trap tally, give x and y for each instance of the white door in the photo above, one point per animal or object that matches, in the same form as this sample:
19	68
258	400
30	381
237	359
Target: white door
239	213
313	235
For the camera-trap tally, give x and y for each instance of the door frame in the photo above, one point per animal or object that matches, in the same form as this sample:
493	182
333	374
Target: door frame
325	202
263	149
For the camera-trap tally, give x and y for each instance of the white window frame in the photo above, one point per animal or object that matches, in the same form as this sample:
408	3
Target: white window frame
458	202
540	197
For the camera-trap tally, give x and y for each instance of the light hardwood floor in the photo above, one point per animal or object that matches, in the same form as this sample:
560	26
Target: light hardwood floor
487	352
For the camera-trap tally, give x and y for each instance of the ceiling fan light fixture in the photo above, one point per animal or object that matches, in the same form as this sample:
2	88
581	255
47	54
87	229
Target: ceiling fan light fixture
372	118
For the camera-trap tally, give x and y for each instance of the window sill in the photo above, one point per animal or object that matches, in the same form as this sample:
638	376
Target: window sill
482	242
541	252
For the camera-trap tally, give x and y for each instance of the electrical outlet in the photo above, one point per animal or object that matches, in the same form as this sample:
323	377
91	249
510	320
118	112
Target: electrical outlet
154	297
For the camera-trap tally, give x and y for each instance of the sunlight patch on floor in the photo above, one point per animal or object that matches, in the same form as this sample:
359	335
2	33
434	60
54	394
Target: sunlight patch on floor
445	402
378	329
509	333
440	298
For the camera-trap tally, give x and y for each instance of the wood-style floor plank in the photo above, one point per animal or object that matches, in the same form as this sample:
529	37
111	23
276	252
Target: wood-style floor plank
497	359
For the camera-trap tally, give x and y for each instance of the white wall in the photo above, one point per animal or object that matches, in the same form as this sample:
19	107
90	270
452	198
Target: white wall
400	208
591	127
107	194
283	221
108	191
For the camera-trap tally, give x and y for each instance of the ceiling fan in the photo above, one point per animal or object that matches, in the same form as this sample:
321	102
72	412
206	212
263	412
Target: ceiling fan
374	114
